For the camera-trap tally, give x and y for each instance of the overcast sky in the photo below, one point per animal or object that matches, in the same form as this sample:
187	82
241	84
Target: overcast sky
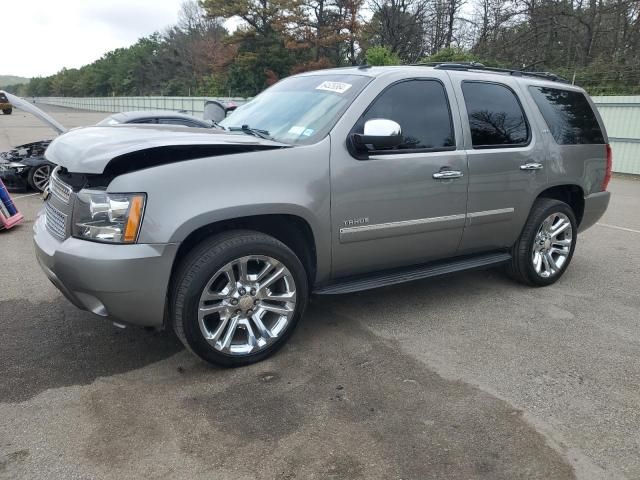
39	37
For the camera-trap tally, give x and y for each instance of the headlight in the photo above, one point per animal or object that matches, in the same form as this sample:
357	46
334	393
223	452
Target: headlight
17	166
108	217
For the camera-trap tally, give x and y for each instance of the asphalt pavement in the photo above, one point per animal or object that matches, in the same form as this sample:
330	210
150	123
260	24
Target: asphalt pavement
465	377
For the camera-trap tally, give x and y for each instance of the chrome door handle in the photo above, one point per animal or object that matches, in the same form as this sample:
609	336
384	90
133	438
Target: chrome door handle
531	166
446	174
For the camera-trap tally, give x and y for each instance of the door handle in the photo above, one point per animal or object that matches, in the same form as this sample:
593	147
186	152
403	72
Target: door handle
531	166
447	174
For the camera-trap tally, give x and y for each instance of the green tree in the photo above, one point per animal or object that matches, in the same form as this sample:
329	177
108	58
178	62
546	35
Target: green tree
381	56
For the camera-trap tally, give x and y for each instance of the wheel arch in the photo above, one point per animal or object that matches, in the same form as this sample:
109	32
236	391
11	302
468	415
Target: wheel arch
571	194
292	230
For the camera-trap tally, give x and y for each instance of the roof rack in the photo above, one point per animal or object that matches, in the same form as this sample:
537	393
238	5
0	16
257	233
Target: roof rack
475	66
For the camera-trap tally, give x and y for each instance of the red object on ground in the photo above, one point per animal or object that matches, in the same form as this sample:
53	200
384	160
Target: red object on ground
9	214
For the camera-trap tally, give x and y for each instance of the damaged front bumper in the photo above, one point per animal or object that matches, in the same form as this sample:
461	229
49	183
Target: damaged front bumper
14	177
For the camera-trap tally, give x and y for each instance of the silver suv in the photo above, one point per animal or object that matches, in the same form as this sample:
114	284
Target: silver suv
329	182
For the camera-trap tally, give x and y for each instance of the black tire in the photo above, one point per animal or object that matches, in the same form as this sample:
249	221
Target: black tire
521	267
201	264
40	169
7	111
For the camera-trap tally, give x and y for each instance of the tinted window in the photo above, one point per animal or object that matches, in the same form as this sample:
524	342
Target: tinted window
495	115
422	110
569	116
145	120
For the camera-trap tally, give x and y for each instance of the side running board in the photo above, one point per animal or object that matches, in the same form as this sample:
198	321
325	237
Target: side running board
393	277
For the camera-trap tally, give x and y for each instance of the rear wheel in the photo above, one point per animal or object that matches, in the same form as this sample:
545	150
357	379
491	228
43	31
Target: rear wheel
7	111
237	298
545	248
39	177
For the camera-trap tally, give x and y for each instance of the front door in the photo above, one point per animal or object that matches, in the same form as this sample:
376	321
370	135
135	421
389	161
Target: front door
405	205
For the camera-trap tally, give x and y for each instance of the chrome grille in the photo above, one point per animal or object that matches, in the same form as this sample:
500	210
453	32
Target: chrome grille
56	221
60	189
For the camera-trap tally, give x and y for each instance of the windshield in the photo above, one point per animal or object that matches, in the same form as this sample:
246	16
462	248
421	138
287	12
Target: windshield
299	109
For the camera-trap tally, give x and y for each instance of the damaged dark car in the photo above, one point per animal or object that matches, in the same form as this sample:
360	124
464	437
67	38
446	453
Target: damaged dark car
25	166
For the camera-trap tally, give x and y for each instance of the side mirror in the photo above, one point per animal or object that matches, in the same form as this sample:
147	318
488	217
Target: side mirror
217	111
380	133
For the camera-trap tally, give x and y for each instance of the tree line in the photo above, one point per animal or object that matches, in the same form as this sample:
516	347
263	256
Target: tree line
593	43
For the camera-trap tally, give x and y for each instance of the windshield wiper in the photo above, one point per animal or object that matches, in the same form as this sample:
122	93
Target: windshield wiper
256	132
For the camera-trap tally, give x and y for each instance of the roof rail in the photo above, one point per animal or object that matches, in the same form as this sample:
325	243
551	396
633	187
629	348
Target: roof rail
475	66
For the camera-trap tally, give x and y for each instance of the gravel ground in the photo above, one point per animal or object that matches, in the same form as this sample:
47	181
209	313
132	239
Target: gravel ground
470	376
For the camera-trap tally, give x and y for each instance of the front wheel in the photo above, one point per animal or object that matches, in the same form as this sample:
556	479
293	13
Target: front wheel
39	177
237	298
546	245
7	111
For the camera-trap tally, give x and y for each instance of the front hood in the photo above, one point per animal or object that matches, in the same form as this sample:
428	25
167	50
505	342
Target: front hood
91	149
35	111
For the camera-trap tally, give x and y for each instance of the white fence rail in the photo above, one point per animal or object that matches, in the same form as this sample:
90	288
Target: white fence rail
191	105
621	115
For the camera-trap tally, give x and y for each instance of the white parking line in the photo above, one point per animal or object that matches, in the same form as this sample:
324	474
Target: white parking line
28	195
618	228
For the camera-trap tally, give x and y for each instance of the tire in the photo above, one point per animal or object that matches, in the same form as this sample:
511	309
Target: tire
200	285
529	254
39	177
7	111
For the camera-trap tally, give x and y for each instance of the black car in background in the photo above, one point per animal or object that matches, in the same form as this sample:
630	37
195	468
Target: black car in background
25	165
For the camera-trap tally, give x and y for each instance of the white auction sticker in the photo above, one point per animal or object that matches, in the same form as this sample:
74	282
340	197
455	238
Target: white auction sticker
338	87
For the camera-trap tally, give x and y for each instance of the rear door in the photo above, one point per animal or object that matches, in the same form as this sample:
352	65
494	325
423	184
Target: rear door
507	160
395	207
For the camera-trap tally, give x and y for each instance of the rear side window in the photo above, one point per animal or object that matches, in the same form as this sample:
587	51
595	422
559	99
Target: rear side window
421	108
496	117
569	116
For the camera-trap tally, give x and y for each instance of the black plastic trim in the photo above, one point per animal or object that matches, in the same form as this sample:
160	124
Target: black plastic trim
408	274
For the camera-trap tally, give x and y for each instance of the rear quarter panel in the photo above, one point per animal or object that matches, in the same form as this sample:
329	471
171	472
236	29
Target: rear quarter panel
581	165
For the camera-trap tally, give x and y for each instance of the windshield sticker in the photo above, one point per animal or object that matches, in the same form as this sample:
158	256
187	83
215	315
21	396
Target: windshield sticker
308	132
337	87
296	130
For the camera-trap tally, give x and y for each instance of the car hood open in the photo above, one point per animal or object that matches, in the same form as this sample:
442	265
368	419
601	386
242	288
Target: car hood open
23	105
97	149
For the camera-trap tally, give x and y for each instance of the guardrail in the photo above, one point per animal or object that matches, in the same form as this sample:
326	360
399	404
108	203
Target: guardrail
191	105
621	115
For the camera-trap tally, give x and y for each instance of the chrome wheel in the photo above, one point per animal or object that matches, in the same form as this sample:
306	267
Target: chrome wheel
41	177
552	245
247	305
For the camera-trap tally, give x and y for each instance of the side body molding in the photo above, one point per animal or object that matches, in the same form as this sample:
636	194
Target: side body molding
408	227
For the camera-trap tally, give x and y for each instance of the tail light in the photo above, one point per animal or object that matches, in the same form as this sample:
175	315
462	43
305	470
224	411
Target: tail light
607	173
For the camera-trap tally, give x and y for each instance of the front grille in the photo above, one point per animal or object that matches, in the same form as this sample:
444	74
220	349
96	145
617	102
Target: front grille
56	221
60	189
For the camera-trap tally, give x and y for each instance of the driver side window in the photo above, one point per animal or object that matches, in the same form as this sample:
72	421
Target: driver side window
421	108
